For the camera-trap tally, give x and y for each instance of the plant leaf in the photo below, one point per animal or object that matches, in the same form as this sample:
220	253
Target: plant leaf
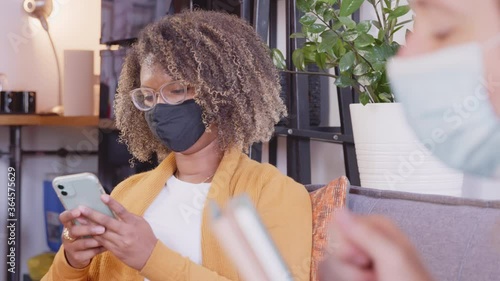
396	30
377	55
364	98
364	40
361	69
350	35
377	24
369	78
381	34
329	14
388	3
303	5
348	7
316	28
344	81
320	7
331	2
348	22
347	61
328	40
331	59
337	25
364	26
403	22
365	80
321	60
310	50
398	12
298	59
278	59
338	49
298	35
395	47
307	19
385	97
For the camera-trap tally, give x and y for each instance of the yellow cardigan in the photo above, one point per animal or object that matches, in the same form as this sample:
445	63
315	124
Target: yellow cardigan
283	204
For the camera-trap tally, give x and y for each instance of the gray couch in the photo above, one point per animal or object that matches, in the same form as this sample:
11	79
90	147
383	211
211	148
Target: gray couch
458	239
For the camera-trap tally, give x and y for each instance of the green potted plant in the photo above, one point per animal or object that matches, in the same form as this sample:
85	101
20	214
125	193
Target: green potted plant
389	155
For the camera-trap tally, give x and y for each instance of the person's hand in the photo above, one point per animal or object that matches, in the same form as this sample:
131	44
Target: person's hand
130	237
79	251
370	248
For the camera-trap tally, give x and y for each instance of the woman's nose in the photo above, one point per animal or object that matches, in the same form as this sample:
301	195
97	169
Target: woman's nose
159	99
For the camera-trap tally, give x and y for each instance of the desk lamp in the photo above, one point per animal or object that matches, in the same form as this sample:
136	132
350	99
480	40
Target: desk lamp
41	9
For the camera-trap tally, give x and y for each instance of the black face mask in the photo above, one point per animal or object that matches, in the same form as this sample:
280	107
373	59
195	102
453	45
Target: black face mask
178	126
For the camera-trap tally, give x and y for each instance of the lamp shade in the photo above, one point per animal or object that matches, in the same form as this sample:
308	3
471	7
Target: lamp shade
38	8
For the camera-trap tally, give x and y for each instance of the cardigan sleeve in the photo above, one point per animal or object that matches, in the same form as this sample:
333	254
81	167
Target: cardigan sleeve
62	270
285	208
165	264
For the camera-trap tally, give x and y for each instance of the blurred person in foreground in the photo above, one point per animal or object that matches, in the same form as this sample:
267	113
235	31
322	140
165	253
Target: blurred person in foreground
448	79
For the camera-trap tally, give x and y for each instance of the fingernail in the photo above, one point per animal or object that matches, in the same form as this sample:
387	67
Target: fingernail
105	198
98	230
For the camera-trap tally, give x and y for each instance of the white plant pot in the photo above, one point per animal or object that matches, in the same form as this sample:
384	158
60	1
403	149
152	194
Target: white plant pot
391	157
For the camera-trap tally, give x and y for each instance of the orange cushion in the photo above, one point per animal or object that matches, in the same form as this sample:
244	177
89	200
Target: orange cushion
325	202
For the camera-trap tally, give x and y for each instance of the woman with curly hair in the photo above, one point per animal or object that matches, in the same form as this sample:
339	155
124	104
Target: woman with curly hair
197	89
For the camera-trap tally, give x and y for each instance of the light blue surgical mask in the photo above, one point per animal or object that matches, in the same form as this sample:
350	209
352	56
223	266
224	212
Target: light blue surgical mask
446	101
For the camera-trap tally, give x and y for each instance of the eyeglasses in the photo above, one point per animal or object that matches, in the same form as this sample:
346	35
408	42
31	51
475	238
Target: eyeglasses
146	99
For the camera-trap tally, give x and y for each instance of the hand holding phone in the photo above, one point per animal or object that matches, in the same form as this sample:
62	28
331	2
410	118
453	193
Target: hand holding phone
85	190
81	189
73	191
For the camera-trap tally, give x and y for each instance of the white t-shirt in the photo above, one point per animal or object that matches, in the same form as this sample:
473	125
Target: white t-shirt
175	216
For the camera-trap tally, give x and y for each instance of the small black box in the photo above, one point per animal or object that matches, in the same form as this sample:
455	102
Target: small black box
17	102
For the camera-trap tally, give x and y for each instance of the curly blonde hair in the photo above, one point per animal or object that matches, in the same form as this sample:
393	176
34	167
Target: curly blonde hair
224	60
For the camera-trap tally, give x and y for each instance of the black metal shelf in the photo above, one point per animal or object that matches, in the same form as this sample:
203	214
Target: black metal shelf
325	134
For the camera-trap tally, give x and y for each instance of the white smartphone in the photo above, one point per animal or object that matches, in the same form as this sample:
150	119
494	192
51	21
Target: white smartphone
81	189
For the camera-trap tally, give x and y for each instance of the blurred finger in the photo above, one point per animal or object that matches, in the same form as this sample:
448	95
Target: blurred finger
379	246
66	218
348	253
334	269
345	250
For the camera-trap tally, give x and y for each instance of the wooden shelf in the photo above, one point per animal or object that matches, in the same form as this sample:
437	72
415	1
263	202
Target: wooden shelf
42	120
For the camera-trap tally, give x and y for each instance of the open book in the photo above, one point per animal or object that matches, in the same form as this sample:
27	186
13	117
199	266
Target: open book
246	241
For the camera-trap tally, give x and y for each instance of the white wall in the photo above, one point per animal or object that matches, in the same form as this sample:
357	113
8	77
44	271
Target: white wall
368	13
25	53
27	59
